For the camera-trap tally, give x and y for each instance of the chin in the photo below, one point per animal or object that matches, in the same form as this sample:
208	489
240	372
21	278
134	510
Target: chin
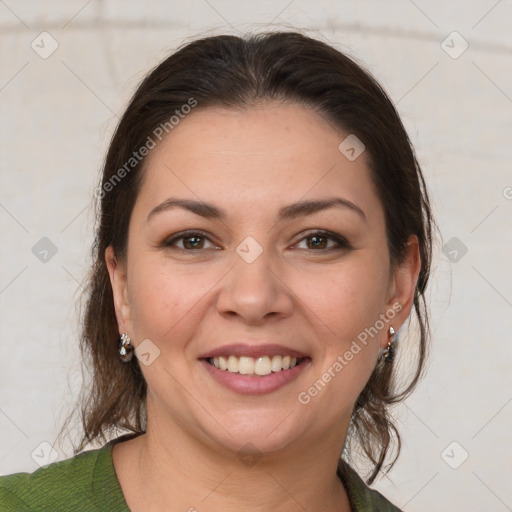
264	432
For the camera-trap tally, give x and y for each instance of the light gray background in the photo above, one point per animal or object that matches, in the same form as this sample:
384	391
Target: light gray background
57	117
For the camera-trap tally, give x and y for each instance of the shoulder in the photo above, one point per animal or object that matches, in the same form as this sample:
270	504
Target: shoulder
362	498
65	485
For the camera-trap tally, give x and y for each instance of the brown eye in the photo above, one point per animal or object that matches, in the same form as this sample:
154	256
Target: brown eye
319	241
190	241
193	242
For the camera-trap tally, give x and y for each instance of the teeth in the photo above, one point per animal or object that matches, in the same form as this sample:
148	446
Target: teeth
246	365
276	364
232	364
263	366
254	366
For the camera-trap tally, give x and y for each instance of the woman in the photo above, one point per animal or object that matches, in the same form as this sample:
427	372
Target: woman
264	233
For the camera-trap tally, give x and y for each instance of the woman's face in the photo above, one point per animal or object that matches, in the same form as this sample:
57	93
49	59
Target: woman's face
257	274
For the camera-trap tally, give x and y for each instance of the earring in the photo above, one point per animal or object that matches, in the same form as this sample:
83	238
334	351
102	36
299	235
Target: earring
388	356
125	348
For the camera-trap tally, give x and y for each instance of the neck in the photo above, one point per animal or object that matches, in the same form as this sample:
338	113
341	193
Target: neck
172	467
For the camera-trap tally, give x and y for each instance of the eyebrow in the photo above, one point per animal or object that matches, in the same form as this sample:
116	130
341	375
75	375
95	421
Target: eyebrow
292	211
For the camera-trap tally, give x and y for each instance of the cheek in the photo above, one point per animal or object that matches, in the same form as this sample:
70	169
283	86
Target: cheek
164	302
347	298
347	303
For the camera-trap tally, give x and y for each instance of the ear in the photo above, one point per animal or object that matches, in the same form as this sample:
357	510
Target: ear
403	284
118	281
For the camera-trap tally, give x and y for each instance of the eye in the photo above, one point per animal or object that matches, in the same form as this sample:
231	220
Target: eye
192	241
319	241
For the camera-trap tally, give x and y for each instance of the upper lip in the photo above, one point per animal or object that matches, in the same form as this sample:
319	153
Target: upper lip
240	350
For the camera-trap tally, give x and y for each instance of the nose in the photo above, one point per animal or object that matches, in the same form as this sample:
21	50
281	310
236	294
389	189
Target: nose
255	292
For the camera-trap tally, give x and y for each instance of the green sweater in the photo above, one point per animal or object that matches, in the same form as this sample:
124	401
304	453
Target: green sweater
87	482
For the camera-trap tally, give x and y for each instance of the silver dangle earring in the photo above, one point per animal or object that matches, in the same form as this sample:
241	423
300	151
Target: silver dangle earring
389	354
125	348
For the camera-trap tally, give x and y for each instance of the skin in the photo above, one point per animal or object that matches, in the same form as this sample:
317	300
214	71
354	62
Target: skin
250	163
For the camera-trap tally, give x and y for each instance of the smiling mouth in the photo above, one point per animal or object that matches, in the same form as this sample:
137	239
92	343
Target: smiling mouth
255	366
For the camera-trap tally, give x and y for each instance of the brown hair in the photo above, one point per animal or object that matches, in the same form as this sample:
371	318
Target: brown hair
235	72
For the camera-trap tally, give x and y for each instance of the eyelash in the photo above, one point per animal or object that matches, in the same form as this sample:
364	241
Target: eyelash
341	241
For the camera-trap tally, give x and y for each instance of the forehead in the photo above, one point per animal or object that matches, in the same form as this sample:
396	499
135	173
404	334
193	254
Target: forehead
271	153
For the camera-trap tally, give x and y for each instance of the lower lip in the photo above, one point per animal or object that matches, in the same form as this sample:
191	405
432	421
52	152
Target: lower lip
255	384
